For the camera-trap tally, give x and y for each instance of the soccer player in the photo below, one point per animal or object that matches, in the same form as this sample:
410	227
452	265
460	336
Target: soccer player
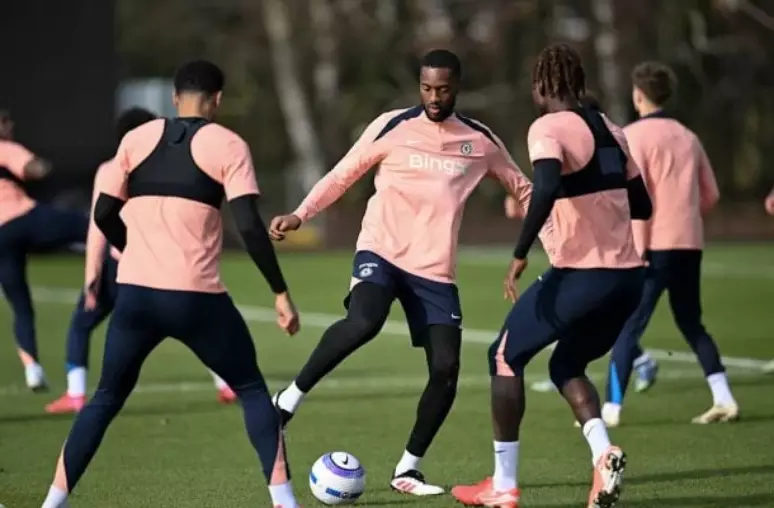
644	365
159	205
429	159
585	182
27	226
99	294
679	176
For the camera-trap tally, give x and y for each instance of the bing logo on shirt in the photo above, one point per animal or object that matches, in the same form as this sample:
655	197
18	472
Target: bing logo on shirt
451	167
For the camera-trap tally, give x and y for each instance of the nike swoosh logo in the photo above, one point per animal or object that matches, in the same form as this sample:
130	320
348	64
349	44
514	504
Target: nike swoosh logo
455	316
345	461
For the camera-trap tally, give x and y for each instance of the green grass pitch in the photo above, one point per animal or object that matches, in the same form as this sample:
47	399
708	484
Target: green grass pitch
174	446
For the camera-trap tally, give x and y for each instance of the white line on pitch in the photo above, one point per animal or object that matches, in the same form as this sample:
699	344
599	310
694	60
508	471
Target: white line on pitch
324	320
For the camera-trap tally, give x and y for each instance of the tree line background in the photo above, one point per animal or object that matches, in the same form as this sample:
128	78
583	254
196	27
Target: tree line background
305	76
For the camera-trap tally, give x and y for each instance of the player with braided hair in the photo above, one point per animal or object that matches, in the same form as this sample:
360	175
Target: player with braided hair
586	190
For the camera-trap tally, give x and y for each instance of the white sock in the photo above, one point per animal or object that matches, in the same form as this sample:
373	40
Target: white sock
76	382
56	498
291	398
612	409
407	463
219	383
506	465
643	359
33	374
595	433
282	495
721	392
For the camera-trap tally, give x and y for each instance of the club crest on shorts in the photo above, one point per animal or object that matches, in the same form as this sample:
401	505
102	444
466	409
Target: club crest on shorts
466	148
366	270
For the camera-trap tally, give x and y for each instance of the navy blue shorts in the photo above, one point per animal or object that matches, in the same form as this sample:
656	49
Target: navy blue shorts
44	228
583	309
425	302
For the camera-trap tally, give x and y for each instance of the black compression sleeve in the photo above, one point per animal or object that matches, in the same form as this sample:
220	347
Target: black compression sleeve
257	241
640	205
545	190
107	217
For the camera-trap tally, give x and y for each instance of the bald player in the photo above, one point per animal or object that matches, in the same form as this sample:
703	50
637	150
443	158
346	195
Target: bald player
429	159
160	207
98	297
590	189
27	226
679	176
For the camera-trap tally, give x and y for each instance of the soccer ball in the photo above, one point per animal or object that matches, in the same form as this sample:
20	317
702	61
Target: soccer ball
337	478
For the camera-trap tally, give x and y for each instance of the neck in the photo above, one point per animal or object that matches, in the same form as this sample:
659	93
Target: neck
556	105
194	108
648	108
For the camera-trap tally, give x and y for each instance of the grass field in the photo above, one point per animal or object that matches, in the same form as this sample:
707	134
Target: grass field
174	446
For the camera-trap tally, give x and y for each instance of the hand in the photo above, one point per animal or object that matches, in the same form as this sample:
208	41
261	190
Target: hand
514	273
512	208
90	295
282	224
287	315
89	300
769	204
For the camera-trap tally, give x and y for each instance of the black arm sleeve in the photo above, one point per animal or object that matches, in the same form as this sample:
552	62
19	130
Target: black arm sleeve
640	205
108	219
545	190
257	241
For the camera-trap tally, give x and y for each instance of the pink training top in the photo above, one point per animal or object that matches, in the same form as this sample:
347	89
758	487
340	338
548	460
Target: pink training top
175	243
591	230
426	171
95	240
680	180
14	201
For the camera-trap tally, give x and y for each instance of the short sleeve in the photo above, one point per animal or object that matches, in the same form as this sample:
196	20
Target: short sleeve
238	171
15	158
111	178
542	142
632	165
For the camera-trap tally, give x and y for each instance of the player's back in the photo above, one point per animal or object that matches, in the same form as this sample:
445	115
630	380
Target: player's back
176	171
679	178
14	201
590	224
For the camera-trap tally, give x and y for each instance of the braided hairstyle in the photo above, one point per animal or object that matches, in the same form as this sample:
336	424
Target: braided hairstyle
559	74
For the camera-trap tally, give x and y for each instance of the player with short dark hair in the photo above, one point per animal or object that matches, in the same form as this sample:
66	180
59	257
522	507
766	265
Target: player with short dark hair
429	160
160	205
589	189
680	178
98	297
27	226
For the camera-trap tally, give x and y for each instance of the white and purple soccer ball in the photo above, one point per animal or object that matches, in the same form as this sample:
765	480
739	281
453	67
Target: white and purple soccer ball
337	478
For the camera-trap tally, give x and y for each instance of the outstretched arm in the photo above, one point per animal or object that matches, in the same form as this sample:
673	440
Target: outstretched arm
361	158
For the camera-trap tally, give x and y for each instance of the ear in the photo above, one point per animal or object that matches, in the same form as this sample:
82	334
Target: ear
217	98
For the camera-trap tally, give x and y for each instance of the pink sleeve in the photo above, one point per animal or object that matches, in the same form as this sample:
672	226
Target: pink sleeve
239	173
364	154
637	164
96	243
502	167
632	164
113	177
15	157
708	186
542	143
